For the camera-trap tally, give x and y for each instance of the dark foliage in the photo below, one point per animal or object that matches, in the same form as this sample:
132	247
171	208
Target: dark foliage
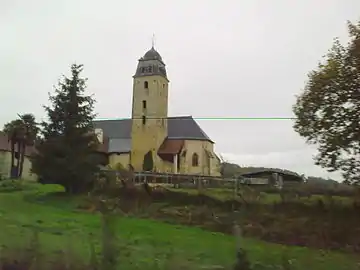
229	170
148	163
65	153
22	133
328	110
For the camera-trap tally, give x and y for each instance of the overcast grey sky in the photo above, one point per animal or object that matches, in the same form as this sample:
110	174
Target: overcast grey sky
229	58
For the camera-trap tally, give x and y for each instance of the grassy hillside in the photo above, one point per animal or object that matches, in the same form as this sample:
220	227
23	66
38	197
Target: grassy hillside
144	243
232	169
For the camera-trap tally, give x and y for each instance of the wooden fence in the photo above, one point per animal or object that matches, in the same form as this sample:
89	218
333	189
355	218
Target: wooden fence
199	182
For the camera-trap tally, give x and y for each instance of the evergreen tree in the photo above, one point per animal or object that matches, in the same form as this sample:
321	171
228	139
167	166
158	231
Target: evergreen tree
328	111
65	153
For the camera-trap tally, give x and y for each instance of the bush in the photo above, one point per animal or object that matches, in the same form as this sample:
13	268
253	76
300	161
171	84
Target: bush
10	185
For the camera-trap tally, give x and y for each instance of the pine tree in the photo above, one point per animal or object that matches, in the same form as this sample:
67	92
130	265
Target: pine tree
65	153
328	111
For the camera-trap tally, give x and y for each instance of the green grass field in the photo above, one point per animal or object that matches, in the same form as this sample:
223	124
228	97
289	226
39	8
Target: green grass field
144	243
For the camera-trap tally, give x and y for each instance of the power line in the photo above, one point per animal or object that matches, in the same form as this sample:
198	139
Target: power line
205	118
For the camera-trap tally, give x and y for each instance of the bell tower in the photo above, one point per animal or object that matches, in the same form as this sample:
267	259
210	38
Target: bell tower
149	111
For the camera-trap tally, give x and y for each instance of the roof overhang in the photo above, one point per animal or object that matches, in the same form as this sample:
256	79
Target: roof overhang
190	139
171	146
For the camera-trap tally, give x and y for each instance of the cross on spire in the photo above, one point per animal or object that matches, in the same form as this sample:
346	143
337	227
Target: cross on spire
153	41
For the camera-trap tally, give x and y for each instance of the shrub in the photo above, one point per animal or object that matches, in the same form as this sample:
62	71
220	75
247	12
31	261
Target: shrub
11	185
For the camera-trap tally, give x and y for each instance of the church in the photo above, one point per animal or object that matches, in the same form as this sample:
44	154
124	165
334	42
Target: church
150	140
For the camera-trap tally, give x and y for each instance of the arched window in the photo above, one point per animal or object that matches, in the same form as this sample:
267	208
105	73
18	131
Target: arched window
146	84
195	160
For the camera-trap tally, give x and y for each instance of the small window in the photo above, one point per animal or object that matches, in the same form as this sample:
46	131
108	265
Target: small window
142	70
195	160
146	84
144	104
163	85
144	120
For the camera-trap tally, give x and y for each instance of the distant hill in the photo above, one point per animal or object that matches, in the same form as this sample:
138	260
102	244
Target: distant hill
320	180
316	184
229	170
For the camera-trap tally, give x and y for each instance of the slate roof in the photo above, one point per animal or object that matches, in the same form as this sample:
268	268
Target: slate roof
171	147
152	54
151	64
119	131
119	145
115	128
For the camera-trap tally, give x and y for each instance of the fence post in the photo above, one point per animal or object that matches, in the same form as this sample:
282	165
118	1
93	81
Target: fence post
197	179
236	187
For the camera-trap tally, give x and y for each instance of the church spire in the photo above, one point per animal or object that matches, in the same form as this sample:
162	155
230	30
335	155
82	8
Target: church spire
153	41
151	63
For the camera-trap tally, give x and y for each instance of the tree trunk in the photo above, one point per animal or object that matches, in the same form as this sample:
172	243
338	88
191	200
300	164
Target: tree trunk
12	159
22	158
18	160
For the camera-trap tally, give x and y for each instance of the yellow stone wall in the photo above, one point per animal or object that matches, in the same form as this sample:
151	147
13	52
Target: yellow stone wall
123	159
206	166
165	166
150	136
27	174
5	163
